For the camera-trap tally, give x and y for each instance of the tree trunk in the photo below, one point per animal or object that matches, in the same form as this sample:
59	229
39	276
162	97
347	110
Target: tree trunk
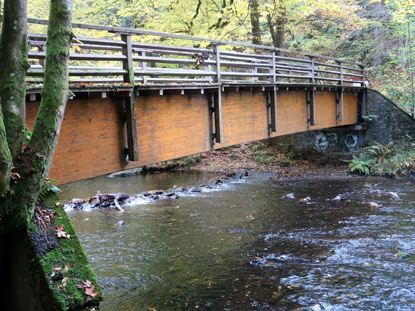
14	64
256	29
31	166
277	26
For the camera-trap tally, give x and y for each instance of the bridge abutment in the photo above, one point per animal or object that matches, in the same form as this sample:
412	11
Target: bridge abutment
382	122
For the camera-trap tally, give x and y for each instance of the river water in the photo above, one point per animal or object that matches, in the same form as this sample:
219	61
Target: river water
242	246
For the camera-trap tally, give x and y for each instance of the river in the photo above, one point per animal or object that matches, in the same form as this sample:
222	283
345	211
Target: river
243	246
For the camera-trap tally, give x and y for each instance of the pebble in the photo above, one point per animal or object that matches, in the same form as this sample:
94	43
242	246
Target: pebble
373	204
289	196
393	195
305	200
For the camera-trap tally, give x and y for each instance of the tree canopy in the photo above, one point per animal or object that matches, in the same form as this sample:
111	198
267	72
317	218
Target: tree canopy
375	32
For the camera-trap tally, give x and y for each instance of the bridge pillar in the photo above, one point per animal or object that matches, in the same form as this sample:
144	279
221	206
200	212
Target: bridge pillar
310	102
271	106
339	105
129	102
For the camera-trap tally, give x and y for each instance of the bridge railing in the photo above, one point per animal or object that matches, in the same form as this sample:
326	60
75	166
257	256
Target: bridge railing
111	61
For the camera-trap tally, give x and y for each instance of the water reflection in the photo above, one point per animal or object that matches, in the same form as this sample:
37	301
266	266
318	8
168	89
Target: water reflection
246	248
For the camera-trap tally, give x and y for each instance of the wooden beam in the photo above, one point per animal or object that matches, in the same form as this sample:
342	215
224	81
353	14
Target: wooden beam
127	63
273	106
132	139
310	103
339	105
216	53
217	97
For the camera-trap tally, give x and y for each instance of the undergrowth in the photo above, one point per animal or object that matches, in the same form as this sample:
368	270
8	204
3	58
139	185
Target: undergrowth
384	160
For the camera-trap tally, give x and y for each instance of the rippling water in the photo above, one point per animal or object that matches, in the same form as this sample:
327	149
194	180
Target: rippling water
244	247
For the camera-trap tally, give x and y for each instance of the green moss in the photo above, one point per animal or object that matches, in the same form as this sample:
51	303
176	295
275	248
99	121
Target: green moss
75	266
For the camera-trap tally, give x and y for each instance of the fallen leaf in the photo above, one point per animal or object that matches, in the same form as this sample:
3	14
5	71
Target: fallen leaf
90	291
64	281
59	232
85	284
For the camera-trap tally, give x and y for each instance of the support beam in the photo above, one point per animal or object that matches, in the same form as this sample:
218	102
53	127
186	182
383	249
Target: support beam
271	107
274	109
217	101
132	140
310	103
339	105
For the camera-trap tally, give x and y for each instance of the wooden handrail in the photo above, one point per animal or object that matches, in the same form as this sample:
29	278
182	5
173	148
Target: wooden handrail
96	59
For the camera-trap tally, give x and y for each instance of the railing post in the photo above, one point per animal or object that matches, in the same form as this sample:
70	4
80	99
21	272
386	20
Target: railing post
127	51
41	48
216	53
131	115
339	95
144	66
218	97
340	73
313	77
274	68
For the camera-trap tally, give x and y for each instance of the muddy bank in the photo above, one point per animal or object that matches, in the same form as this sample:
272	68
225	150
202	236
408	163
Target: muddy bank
258	157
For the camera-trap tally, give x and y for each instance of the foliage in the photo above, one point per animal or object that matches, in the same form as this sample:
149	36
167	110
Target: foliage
48	187
389	160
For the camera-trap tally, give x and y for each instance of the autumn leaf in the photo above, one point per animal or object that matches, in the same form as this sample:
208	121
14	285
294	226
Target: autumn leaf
60	233
85	284
90	291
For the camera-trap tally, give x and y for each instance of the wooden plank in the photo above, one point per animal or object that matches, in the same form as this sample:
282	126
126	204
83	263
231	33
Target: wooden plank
310	101
169	60
38	72
274	67
127	64
172	48
273	109
131	127
246	74
79	56
172	72
255	56
218	115
339	105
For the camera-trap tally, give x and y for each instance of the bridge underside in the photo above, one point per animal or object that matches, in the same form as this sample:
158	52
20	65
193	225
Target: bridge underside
173	122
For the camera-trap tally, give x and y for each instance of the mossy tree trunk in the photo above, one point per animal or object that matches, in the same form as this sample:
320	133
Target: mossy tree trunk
22	171
32	165
254	15
14	64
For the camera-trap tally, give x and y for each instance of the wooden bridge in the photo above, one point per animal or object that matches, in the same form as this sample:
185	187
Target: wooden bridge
180	95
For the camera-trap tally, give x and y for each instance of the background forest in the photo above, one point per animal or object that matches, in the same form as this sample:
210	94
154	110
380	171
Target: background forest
379	33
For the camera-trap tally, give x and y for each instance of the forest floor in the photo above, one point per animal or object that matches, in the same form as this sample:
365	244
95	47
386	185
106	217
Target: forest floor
259	157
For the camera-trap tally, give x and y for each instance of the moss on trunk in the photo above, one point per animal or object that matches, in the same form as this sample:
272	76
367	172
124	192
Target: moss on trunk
14	64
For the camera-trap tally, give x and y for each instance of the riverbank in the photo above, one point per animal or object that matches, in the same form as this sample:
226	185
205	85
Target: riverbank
260	157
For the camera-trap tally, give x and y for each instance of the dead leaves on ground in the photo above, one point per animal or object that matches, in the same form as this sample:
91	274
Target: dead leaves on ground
89	288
